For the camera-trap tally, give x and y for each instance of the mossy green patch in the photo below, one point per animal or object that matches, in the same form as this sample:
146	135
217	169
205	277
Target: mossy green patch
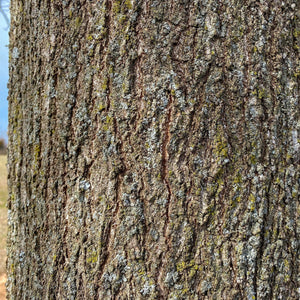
92	257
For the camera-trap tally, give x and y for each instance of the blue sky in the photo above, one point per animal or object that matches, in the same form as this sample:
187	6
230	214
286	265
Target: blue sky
3	77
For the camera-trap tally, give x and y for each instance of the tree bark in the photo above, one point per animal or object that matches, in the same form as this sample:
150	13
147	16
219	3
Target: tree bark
154	150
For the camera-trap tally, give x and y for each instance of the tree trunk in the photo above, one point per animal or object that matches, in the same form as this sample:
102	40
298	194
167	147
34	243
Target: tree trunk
154	149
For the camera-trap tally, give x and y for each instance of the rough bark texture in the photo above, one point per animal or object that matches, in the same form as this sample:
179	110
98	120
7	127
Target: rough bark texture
154	149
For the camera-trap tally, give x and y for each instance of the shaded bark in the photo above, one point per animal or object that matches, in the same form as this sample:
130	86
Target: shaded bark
154	150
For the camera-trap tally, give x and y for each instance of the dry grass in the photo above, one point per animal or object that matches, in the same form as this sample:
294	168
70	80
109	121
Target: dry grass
3	223
2	286
3	181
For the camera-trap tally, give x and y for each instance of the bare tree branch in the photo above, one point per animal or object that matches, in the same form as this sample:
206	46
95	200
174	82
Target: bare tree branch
3	13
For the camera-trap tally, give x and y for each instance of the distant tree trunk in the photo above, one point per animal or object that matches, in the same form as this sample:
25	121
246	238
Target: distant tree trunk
2	146
154	150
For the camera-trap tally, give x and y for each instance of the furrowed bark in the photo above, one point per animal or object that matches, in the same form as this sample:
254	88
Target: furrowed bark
154	150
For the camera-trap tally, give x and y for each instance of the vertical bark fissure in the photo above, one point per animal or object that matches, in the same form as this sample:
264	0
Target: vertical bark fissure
119	173
165	154
165	175
107	24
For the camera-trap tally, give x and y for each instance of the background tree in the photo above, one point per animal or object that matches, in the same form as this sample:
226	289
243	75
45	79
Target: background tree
154	150
2	146
4	8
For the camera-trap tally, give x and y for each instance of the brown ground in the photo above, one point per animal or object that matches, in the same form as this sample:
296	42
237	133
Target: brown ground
3	224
